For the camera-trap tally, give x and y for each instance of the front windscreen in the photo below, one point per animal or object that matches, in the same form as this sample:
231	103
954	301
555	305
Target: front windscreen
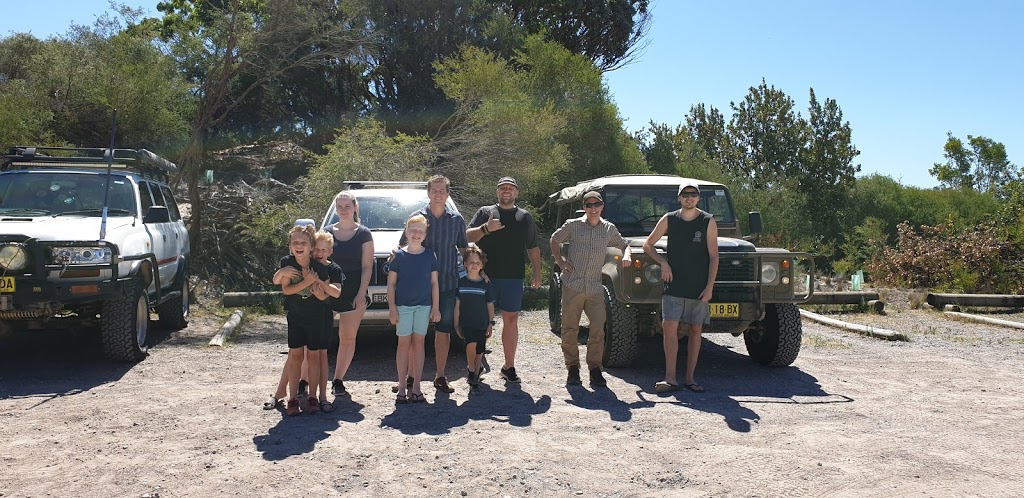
636	210
387	212
56	194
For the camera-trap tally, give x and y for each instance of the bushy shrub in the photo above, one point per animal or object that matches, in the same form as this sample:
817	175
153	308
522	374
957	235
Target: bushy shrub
971	259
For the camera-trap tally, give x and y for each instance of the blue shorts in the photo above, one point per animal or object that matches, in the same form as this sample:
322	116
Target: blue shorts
447	304
413	319
508	294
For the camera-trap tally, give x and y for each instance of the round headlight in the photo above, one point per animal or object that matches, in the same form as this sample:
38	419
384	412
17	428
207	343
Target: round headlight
13	257
769	273
653	273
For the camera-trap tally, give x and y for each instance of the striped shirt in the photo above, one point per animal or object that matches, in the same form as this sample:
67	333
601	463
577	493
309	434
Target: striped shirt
445	236
586	252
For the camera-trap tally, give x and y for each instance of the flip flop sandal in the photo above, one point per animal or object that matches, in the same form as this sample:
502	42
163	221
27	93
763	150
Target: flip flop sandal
417	398
665	387
401	399
272	403
326	406
697	388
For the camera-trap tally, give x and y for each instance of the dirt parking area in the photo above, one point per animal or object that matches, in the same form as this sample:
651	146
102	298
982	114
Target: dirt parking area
938	415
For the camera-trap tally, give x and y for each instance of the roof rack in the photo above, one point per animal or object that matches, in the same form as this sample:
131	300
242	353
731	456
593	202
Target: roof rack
141	160
357	185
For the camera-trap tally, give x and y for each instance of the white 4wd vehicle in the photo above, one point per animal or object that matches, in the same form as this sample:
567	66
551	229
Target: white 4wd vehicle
384	208
65	263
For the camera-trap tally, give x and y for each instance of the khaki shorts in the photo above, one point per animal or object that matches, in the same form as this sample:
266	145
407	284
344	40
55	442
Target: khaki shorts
683	310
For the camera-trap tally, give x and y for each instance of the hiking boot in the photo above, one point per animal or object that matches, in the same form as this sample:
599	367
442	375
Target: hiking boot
509	374
293	408
312	405
441	384
472	379
338	388
596	379
574	376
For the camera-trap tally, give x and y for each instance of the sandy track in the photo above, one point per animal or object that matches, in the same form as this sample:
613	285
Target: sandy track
939	415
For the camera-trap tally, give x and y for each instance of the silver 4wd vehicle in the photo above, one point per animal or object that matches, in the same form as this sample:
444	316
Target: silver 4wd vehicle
84	244
384	208
755	293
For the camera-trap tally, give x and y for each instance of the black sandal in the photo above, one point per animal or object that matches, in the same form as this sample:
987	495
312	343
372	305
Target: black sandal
417	398
401	399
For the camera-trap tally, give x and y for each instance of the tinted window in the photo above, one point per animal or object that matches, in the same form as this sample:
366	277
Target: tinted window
172	205
146	196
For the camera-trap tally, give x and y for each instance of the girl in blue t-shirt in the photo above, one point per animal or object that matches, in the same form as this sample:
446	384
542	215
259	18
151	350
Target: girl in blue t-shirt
474	312
412	304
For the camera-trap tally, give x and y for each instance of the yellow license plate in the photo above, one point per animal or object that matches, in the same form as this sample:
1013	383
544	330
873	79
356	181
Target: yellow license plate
725	310
7	284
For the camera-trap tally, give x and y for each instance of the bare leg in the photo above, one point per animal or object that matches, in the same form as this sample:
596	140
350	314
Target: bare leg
417	353
509	336
442	343
670	339
312	365
692	351
471	357
293	365
402	360
347	328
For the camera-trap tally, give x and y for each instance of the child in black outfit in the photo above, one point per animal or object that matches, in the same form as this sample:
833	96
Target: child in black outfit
304	301
474	312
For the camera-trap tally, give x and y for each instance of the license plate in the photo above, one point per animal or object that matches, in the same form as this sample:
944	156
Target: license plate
380	298
725	310
7	284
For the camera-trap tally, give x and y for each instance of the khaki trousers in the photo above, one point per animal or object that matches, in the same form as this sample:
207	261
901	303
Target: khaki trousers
573	305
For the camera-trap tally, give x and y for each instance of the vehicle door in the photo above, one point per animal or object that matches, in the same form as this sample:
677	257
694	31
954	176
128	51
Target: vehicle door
163	234
181	240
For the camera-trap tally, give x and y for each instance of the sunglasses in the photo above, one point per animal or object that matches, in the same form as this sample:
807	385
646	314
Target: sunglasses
593	204
689	194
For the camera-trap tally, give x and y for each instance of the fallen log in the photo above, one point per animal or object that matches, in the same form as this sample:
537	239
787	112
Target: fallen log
983	319
842	297
855	327
939	301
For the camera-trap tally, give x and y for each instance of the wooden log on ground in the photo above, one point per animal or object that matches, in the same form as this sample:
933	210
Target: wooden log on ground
237	299
227	329
855	327
975	300
845	297
983	319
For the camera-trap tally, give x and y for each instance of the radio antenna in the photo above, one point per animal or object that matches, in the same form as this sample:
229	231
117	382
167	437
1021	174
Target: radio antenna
106	190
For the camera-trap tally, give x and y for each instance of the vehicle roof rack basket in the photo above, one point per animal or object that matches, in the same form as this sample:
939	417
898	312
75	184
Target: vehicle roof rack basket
140	160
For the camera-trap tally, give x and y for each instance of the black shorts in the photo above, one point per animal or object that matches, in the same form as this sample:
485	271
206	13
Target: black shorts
343	304
305	331
478	336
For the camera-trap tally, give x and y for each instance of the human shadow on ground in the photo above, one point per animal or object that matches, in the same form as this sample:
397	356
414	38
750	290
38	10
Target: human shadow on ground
48	364
298	435
732	381
500	402
604	399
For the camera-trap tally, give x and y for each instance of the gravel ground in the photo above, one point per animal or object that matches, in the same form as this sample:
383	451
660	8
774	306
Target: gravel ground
936	415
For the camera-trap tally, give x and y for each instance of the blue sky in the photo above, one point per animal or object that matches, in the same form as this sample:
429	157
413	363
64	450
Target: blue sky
904	73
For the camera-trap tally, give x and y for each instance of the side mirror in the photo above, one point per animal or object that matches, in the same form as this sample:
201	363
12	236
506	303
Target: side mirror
754	222
157	214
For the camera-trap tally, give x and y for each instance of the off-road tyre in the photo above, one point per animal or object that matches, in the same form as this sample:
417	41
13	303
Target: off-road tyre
621	329
555	303
776	342
124	324
174	313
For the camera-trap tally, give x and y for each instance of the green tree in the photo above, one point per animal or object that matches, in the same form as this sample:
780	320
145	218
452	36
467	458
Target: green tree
826	170
981	164
606	32
767	136
218	42
706	127
658	145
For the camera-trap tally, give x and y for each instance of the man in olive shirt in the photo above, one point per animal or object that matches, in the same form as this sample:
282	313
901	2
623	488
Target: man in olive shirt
589	238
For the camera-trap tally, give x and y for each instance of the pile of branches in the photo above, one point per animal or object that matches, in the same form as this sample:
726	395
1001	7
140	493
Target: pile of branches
231	258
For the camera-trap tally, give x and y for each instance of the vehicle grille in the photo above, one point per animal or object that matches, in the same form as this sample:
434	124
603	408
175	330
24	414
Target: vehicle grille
736	270
380	272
